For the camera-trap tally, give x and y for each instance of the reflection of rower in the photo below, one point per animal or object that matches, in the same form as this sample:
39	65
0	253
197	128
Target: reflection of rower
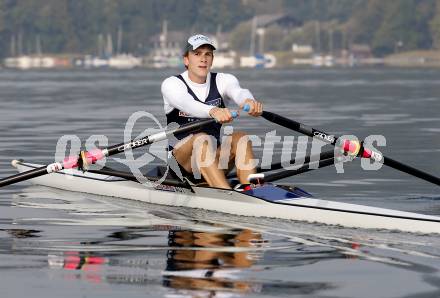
192	268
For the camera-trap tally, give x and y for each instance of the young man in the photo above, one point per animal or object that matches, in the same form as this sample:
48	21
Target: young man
198	93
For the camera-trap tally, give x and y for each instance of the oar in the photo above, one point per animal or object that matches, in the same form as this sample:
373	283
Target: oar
347	145
130	176
280	165
307	160
92	156
312	162
308	166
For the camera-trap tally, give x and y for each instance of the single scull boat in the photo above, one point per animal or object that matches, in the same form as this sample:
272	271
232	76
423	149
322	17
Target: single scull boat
266	200
255	199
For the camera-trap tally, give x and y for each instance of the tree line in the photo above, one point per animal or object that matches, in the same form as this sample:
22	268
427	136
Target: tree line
73	26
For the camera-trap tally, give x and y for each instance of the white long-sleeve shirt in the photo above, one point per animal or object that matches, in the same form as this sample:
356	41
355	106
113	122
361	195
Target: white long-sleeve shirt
175	93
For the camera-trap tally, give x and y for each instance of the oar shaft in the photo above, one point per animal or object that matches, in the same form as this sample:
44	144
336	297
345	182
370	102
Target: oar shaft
410	170
130	176
303	169
307	159
363	152
299	127
280	165
320	135
160	136
92	156
23	176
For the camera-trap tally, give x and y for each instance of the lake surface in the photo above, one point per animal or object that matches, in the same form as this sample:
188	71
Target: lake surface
54	243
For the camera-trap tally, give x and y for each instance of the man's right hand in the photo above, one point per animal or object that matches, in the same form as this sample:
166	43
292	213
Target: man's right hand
221	115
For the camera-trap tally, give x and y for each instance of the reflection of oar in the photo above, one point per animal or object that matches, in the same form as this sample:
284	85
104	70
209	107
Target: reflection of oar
349	146
90	157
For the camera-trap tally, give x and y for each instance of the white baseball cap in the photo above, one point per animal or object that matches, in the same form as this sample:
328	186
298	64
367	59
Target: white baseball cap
196	41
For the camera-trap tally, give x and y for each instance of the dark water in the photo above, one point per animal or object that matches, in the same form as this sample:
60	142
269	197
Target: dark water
56	243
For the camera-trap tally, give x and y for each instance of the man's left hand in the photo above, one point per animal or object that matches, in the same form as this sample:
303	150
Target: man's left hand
255	107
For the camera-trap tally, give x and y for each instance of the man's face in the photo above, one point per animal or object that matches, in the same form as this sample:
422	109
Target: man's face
199	63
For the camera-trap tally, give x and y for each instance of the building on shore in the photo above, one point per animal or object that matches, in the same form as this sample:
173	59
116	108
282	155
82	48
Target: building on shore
166	48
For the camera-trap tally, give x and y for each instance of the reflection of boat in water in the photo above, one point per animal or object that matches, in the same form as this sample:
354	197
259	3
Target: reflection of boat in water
224	262
186	261
196	262
200	260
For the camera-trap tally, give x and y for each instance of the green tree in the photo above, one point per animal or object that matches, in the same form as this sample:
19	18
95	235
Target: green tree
399	29
240	38
322	10
434	26
365	22
74	25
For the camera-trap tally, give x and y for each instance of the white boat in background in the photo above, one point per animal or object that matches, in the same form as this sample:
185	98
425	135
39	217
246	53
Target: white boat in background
28	62
323	61
224	59
258	61
165	61
91	62
124	61
266	200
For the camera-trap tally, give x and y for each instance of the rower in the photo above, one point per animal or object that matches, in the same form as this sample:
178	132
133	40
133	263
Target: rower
199	93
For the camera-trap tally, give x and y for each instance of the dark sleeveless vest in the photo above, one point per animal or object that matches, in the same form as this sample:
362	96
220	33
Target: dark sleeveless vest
214	99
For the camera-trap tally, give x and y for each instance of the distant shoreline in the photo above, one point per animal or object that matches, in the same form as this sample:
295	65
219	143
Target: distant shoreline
284	60
418	58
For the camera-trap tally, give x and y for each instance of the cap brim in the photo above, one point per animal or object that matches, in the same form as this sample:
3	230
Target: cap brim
189	47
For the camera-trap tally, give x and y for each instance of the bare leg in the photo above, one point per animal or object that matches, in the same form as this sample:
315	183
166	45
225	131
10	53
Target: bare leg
241	149
205	157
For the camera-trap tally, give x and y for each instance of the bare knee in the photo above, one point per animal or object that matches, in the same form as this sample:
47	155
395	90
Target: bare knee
187	144
239	135
204	149
185	149
197	150
239	139
202	142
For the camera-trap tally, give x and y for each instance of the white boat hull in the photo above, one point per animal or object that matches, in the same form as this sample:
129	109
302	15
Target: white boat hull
239	203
